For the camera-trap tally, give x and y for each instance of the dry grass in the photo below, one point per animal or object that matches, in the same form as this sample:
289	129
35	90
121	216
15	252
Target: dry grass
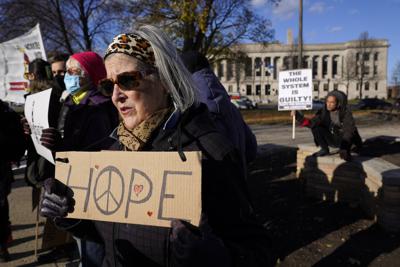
274	116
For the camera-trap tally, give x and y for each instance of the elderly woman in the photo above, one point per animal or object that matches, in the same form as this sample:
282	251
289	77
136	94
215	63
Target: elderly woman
154	95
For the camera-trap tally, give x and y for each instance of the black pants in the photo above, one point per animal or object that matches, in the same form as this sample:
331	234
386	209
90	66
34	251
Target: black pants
5	229
324	138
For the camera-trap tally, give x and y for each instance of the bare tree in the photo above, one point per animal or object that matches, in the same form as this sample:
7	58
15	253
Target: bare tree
349	70
364	51
67	25
396	74
239	59
207	26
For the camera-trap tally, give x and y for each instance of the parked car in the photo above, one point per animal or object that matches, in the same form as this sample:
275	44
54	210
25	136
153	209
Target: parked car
372	103
243	102
318	104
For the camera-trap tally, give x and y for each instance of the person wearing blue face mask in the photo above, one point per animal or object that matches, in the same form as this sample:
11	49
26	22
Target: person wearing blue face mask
87	117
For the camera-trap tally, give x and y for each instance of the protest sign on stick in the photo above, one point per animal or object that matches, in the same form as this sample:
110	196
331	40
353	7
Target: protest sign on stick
148	188
15	56
295	91
36	113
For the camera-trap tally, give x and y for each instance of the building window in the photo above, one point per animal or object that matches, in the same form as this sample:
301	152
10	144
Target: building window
357	86
220	70
316	87
335	65
267	89
257	66
376	56
325	66
335	86
230	88
326	87
258	89
366	86
275	67
248	89
315	66
366	56
286	63
229	70
268	66
366	70
375	69
248	67
376	86
305	62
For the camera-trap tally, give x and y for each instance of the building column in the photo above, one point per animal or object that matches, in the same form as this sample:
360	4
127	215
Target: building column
339	67
330	69
320	67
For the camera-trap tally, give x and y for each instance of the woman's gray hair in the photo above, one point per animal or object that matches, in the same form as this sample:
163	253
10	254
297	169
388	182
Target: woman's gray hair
172	72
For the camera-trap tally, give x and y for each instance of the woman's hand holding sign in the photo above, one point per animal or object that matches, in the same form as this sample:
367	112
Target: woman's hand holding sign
57	200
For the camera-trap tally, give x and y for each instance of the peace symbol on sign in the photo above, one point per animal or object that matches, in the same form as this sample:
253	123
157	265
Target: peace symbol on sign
105	198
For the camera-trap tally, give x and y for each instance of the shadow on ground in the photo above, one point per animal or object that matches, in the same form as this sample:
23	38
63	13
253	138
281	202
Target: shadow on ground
294	221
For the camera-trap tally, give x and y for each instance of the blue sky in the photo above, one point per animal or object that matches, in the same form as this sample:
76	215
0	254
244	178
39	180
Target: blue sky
330	21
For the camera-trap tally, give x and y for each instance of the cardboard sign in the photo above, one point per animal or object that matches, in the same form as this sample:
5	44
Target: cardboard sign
149	188
36	113
295	90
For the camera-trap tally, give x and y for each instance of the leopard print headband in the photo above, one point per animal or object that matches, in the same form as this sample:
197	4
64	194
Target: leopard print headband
132	45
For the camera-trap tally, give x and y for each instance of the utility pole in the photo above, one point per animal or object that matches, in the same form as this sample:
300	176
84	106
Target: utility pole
300	58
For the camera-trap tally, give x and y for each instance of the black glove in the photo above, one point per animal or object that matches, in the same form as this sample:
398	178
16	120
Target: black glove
194	246
57	199
344	154
25	126
50	138
299	117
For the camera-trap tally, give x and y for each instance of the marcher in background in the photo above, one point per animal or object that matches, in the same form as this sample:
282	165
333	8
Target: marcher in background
226	116
155	96
38	168
12	148
40	79
57	62
86	118
333	126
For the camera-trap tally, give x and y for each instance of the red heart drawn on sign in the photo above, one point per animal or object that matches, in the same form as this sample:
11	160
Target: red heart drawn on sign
149	213
96	166
138	188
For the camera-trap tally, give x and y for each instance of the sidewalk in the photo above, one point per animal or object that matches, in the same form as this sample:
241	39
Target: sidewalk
23	221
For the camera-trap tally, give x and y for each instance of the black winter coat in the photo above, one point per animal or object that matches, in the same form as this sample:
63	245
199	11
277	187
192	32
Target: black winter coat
347	128
87	125
12	146
224	201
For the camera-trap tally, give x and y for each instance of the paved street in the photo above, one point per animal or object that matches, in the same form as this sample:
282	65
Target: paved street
282	134
23	219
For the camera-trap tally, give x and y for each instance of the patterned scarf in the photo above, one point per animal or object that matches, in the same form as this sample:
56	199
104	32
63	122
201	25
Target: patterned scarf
135	139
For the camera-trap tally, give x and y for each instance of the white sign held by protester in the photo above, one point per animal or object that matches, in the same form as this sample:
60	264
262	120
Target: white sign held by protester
295	90
15	56
36	113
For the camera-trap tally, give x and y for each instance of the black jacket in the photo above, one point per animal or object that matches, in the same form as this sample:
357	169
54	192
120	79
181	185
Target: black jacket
347	128
12	146
224	199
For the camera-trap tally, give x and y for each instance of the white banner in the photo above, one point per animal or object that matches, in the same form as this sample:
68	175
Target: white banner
36	113
15	56
295	90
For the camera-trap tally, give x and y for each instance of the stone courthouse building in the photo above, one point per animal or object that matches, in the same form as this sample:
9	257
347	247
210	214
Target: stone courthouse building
333	68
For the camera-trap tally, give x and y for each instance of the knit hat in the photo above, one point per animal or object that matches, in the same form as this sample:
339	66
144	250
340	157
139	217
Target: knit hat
93	64
132	45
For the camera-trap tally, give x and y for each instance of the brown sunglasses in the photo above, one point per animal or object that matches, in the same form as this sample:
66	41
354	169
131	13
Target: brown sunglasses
127	81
